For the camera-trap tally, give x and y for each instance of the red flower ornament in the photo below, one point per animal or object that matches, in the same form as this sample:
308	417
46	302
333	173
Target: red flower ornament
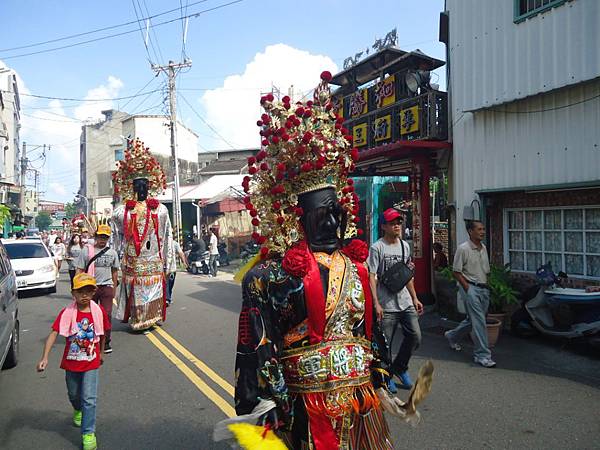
356	250
295	261
152	203
130	204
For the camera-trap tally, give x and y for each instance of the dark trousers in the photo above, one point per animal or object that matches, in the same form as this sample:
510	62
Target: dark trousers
170	285
72	273
104	296
406	322
212	264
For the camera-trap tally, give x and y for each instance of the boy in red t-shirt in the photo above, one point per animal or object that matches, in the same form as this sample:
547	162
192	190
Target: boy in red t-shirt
83	323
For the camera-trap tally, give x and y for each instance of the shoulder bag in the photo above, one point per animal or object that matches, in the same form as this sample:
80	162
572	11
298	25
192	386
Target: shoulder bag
397	276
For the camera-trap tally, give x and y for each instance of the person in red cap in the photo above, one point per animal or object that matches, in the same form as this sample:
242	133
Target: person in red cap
397	311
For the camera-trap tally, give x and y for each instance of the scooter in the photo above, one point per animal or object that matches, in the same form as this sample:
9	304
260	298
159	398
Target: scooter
223	255
558	311
199	264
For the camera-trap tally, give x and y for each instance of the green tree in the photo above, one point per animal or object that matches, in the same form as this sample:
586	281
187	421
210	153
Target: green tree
43	220
70	210
5	216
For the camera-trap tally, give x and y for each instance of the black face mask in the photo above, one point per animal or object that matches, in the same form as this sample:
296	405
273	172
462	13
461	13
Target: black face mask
140	187
322	219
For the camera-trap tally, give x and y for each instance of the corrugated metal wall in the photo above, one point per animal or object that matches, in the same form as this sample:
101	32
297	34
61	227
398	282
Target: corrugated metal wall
495	60
539	140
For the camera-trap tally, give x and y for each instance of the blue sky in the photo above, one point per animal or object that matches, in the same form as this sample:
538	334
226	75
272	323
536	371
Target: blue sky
237	51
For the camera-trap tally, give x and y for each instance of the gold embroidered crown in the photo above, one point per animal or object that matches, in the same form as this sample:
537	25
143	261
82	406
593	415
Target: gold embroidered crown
138	163
304	148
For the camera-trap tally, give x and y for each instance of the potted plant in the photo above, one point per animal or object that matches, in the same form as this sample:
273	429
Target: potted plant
501	292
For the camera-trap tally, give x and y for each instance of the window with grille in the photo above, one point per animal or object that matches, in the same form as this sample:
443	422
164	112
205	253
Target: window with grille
528	8
568	238
119	154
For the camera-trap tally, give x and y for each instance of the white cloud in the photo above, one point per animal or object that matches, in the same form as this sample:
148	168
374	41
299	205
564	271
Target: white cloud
234	108
58	189
92	110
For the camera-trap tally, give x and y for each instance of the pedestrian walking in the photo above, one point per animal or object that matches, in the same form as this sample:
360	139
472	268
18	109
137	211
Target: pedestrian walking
213	248
101	262
59	251
84	324
471	267
397	312
177	252
73	251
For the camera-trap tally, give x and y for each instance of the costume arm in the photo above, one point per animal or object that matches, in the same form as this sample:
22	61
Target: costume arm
166	234
117	230
259	373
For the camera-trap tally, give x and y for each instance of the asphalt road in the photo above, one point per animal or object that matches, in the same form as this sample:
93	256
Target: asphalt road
166	390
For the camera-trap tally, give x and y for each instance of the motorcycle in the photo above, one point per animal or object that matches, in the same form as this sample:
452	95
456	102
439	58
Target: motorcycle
198	263
555	310
249	249
223	255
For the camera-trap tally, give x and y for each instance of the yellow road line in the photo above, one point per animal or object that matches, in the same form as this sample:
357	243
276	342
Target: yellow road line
195	361
200	384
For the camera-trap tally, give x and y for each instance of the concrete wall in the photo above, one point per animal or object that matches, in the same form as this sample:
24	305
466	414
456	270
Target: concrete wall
154	131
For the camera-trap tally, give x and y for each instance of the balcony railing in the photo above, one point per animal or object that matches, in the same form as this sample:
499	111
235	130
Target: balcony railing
422	117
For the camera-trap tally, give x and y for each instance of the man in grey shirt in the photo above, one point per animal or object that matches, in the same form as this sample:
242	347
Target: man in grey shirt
105	268
471	268
397	311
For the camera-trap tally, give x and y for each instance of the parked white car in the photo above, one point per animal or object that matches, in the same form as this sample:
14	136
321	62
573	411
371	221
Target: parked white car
33	264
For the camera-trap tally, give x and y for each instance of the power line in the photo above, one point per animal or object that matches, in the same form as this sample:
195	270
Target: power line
194	15
206	123
111	27
47	97
555	108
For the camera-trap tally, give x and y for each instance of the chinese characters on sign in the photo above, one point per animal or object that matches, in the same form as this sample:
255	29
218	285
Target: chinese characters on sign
390	39
409	120
359	134
383	128
338	106
385	92
358	103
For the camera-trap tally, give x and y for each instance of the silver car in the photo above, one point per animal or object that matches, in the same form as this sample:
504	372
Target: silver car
9	313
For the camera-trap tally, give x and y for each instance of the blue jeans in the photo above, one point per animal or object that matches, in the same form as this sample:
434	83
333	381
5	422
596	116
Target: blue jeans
170	285
477	301
82	388
406	321
212	264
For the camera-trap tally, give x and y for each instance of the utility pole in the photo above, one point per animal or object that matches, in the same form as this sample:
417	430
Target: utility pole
23	174
170	71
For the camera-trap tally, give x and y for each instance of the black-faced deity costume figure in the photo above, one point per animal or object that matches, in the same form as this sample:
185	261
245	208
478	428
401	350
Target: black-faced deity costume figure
142	239
308	343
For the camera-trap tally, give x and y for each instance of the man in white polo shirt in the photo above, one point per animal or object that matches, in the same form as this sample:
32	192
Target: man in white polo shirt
471	268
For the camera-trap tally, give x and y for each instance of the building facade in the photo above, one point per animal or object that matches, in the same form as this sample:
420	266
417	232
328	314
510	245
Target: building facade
10	125
524	83
104	143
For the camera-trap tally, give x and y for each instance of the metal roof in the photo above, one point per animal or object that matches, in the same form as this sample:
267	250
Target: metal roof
389	60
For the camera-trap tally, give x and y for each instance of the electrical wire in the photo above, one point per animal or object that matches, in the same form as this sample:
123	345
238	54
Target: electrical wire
192	16
47	97
152	30
556	108
111	27
142	32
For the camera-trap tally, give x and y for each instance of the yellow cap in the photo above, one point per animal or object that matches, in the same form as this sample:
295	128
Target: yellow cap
103	229
82	280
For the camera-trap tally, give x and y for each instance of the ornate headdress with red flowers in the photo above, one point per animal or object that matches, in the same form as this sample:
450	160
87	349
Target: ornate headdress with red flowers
138	163
304	148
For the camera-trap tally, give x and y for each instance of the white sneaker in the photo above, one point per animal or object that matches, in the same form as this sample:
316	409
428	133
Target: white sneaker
453	345
485	362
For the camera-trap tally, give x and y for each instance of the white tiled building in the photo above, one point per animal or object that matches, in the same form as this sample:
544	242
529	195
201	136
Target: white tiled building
524	81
